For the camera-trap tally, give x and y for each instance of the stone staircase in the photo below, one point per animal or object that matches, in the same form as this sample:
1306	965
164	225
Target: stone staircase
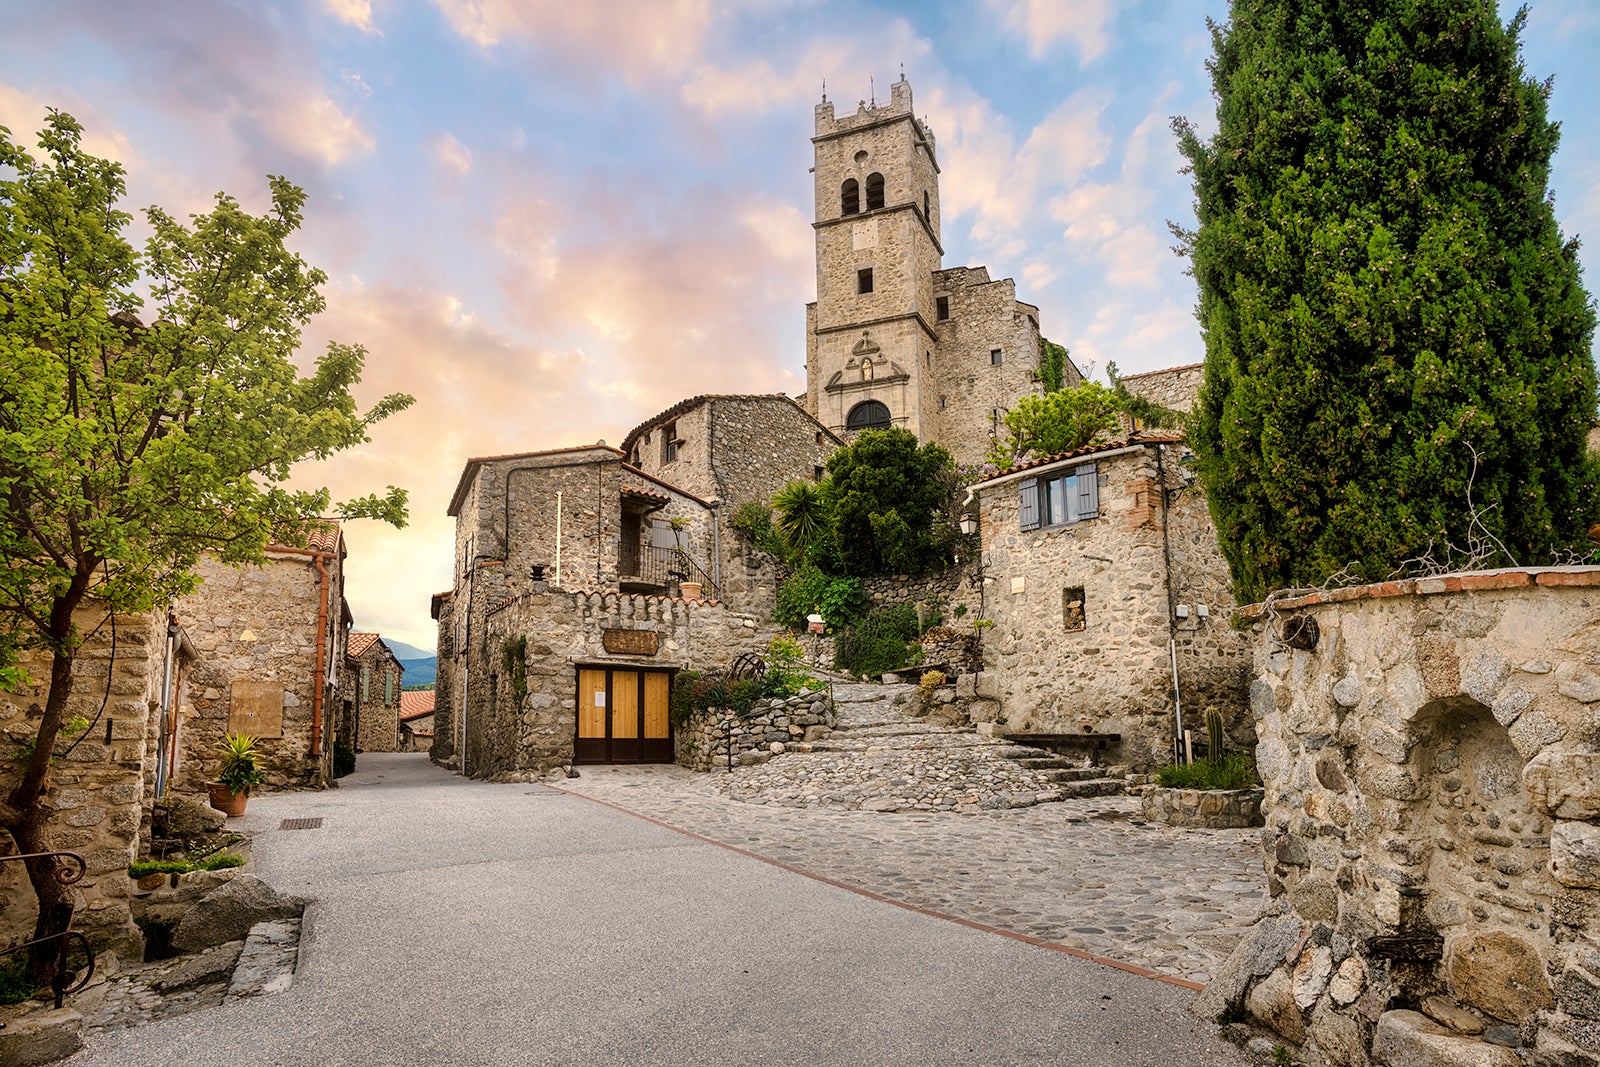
881	756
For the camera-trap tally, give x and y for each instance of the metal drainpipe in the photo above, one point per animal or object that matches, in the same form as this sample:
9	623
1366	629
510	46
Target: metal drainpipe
166	707
1172	610
716	546
322	652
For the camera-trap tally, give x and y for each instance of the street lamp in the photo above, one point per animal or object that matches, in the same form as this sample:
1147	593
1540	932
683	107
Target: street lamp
969	524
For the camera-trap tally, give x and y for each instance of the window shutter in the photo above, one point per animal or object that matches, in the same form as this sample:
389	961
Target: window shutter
366	684
1088	492
388	689
1028	504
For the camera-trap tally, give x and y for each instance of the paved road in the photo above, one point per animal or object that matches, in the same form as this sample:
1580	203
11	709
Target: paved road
458	923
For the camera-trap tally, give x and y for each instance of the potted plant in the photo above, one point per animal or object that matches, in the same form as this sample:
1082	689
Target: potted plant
238	773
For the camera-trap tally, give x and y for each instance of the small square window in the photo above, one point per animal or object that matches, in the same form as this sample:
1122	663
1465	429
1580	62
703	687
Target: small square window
941	307
1073	615
997	356
817	473
669	442
864	280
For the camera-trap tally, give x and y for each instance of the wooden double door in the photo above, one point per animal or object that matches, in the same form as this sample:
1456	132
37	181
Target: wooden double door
623	716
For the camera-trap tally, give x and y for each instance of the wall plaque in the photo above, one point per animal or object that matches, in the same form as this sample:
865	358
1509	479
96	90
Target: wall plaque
631	642
256	708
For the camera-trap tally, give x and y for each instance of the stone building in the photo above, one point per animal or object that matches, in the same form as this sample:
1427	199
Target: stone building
894	338
1102	579
252	650
1432	845
370	693
536	529
416	721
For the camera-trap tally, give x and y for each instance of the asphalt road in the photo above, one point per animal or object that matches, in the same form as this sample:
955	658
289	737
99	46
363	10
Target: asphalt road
457	923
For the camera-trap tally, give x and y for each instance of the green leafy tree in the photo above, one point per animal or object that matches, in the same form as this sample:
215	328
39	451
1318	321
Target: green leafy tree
1051	423
127	451
887	491
1397	339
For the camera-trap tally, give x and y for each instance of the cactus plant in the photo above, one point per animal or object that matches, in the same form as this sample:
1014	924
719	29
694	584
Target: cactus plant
1215	739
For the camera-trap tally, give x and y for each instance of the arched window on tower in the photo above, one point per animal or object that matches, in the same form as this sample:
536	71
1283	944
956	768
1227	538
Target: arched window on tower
850	198
874	191
868	415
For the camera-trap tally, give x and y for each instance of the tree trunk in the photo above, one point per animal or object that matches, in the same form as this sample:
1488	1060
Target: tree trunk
26	817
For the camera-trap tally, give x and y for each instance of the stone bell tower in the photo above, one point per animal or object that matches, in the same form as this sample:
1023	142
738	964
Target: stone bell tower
871	333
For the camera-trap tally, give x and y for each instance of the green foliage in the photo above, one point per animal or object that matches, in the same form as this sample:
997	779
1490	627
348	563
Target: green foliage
15	985
344	758
786	670
128	451
216	862
1145	412
239	771
1057	422
930	681
1398	342
71	728
887	493
514	658
836	599
1052	365
885	640
753	520
805	515
1236	770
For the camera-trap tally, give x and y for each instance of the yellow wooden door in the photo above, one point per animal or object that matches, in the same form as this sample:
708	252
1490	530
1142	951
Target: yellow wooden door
624	704
591	704
657	705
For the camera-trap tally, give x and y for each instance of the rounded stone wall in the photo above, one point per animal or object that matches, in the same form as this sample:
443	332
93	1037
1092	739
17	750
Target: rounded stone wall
1431	756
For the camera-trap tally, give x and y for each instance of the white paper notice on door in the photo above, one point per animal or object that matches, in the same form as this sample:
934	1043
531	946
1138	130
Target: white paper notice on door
600	699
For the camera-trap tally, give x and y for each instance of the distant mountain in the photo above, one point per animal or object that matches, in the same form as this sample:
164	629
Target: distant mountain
420	664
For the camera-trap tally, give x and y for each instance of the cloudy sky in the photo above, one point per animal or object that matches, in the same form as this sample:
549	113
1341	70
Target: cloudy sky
549	219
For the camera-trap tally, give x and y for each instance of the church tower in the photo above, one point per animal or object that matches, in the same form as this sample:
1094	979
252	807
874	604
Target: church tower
893	338
877	228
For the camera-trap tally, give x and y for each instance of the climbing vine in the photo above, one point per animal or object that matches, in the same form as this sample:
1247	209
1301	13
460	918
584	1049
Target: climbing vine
514	657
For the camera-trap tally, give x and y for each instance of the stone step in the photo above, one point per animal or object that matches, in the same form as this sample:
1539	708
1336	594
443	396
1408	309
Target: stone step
867	692
1094	787
1046	763
1075	774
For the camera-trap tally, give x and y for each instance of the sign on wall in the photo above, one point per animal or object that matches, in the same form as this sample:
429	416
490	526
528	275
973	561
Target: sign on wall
630	642
256	708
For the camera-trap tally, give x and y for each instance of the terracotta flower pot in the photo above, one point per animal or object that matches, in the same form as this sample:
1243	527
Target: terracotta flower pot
226	800
690	590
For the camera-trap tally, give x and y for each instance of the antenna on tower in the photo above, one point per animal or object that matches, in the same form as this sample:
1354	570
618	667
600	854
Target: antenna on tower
872	90
902	70
824	90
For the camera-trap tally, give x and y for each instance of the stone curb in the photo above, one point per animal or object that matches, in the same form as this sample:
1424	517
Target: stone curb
1465	581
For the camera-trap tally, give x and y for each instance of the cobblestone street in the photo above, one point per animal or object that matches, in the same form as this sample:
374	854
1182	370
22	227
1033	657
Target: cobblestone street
1083	873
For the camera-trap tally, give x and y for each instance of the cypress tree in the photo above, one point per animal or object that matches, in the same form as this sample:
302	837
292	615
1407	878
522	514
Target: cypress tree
1398	356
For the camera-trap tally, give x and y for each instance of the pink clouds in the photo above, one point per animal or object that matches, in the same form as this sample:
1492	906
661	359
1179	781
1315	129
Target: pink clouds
1042	24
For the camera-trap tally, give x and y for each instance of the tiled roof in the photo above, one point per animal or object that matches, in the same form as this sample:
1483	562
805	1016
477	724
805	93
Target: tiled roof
695	401
629	490
321	535
635	471
414	705
359	643
1139	437
474	463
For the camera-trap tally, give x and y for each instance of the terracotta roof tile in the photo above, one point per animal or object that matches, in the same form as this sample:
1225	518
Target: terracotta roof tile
359	643
321	535
415	704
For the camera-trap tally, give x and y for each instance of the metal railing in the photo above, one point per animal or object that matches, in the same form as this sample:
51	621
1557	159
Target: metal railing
658	565
67	873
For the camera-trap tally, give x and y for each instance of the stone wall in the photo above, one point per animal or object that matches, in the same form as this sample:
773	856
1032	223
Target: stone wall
377	709
943	590
255	629
1104	665
96	795
1202	809
704	743
563	630
1432	771
1177	388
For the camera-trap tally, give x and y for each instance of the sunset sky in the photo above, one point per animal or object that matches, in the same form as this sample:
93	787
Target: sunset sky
550	219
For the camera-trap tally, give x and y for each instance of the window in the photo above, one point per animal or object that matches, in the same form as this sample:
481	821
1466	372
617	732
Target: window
927	359
868	415
874	191
997	356
864	280
942	403
1073	616
388	689
850	198
366	683
1059	499
817	473
669	442
927	206
941	307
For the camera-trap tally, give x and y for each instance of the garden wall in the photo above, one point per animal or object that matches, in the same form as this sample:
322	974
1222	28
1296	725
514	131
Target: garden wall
703	743
1432	767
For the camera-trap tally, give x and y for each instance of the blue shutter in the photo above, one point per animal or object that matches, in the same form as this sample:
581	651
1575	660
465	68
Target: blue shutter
1028	504
1088	492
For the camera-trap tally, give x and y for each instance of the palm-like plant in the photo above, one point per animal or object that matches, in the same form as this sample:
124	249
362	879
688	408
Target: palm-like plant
239	771
805	512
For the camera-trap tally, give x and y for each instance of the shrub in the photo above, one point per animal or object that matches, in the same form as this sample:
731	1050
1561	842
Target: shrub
344	758
1236	770
14	984
217	862
753	521
887	491
837	600
885	640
